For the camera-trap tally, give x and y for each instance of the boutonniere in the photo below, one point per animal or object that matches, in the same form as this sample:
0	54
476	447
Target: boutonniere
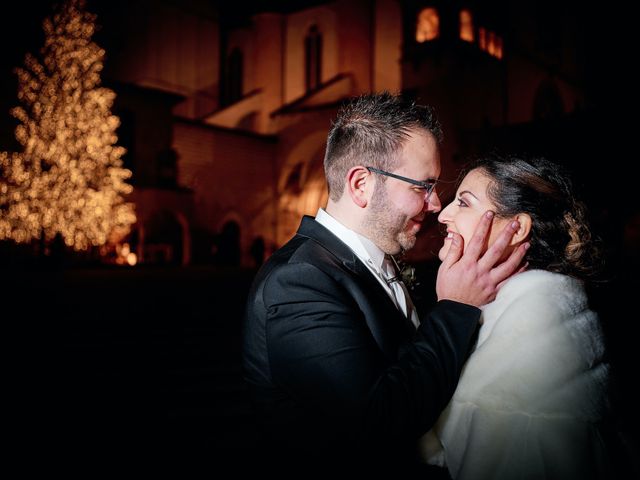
408	274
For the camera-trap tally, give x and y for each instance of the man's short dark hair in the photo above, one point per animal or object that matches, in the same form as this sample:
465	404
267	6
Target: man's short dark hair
370	130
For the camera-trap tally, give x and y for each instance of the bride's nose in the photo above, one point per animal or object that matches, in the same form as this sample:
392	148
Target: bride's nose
445	214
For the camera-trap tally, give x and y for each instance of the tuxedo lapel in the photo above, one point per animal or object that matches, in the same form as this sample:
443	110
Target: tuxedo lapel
388	325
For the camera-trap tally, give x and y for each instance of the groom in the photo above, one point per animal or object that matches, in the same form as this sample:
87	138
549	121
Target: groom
339	374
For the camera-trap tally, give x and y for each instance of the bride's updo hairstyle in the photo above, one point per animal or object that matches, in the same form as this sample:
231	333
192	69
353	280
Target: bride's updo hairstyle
561	239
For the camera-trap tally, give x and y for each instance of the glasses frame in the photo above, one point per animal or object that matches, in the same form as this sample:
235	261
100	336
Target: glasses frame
428	185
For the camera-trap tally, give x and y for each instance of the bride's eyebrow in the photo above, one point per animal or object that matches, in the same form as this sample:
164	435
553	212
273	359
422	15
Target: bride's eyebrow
467	191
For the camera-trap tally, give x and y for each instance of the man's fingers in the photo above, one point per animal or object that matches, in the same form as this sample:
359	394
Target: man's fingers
495	252
510	265
479	239
520	270
455	251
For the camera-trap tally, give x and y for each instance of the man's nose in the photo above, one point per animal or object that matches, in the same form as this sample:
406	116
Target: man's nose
432	202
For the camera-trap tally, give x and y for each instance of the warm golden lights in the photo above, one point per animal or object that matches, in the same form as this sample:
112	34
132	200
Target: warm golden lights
124	255
428	25
490	42
466	26
68	180
428	28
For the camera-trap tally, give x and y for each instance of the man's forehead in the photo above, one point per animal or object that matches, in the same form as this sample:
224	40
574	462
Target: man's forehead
421	155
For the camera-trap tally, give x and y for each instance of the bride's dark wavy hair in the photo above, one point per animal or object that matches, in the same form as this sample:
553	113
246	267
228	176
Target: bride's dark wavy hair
561	238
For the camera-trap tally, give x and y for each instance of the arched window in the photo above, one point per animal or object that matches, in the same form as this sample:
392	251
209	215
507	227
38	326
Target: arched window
233	78
427	25
294	179
490	42
313	58
466	25
482	38
498	47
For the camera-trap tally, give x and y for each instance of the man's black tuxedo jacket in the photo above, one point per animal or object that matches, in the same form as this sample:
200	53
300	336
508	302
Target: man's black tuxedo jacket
335	370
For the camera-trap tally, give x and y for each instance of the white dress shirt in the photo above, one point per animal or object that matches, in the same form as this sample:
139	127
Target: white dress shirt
374	258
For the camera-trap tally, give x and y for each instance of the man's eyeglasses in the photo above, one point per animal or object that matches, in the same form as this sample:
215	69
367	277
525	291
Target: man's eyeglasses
428	185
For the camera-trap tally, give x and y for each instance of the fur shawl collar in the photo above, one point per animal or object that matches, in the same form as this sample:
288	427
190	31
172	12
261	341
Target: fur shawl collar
532	391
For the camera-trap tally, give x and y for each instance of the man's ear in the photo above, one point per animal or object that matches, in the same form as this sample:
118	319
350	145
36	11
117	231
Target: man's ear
359	185
525	228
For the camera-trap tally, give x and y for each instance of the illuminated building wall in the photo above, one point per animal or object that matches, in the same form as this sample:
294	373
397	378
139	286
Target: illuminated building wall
251	102
268	193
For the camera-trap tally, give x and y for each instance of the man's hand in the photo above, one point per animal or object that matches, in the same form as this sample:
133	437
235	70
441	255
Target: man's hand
473	278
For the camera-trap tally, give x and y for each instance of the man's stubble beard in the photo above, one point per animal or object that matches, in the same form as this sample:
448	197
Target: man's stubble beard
386	226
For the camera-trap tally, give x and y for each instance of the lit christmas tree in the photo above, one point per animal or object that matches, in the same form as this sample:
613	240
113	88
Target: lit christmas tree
69	179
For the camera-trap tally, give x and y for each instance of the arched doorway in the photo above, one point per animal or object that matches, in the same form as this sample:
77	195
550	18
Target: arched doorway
163	239
228	252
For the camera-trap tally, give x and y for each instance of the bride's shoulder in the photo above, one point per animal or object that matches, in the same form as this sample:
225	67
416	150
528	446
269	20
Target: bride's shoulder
537	299
536	283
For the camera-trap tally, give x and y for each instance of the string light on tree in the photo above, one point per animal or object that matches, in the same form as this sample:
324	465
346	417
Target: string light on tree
69	178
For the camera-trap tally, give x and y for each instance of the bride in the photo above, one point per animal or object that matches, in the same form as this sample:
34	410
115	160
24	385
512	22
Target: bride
532	395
